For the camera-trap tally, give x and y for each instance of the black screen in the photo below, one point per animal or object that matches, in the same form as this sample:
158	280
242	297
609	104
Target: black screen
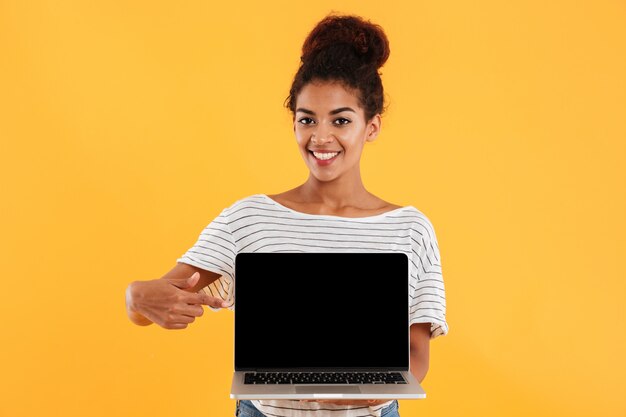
319	310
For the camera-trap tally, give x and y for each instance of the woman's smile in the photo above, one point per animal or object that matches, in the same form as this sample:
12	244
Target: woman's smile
325	158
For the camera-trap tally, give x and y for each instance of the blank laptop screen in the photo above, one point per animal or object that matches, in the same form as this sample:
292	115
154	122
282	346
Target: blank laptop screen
321	310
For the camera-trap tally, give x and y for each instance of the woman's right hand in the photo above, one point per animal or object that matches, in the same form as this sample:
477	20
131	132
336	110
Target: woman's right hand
168	301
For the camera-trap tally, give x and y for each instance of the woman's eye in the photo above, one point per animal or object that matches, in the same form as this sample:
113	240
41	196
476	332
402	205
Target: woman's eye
339	121
305	120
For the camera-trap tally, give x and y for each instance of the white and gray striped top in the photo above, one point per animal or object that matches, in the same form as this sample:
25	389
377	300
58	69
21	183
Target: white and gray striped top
259	224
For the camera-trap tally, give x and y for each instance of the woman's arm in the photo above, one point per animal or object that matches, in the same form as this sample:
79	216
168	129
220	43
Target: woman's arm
162	299
420	346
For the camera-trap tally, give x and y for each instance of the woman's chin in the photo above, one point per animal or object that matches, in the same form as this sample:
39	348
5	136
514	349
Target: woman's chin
323	176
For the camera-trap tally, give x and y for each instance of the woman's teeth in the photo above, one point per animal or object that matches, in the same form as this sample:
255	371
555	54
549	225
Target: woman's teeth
324	156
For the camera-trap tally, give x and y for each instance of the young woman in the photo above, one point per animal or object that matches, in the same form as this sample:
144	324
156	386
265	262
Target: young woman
336	100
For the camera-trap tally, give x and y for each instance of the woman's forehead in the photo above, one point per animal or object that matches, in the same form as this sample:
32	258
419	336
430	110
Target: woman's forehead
327	95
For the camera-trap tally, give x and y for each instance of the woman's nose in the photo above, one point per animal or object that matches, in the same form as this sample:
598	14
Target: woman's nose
322	136
321	140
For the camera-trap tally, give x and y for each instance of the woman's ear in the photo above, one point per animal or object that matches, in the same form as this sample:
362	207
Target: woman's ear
373	127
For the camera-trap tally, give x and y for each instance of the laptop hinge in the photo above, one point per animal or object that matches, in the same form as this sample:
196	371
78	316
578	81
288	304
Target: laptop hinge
394	369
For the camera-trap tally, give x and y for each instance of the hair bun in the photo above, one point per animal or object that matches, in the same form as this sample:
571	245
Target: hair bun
367	39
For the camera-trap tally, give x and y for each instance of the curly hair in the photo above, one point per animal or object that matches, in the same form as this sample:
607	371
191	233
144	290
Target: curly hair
349	50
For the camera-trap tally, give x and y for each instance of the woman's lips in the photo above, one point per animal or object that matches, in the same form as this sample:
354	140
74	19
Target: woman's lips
324	162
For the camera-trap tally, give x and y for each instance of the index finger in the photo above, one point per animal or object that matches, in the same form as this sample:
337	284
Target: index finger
203	298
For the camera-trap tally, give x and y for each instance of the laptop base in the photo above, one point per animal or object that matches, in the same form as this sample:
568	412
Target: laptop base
241	391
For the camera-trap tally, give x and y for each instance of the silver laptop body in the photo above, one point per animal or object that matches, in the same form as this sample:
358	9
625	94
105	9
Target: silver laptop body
316	325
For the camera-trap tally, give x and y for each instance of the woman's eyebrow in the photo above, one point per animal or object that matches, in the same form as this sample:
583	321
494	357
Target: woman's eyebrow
339	110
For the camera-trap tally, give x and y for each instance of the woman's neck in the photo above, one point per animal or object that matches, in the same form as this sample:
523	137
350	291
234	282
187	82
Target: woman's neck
334	195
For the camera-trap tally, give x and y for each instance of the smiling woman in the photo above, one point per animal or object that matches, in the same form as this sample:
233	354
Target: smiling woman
331	130
336	100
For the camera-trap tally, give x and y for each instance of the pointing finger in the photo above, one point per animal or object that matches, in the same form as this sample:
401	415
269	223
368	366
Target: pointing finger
216	302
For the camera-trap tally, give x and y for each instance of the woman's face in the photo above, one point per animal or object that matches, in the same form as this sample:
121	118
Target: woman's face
328	119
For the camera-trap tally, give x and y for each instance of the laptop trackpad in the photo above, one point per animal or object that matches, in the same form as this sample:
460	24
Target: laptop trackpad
327	389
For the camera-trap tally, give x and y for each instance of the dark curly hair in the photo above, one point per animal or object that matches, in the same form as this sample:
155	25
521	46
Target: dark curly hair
348	50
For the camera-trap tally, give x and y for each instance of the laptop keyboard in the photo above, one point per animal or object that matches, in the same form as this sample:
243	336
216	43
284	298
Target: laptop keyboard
323	378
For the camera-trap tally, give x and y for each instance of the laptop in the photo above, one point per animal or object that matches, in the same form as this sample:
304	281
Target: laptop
321	325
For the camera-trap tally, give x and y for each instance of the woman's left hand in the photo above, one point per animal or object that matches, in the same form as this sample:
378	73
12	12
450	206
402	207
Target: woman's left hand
349	402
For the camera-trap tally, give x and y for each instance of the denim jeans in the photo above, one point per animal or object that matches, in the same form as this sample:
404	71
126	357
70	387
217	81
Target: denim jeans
245	408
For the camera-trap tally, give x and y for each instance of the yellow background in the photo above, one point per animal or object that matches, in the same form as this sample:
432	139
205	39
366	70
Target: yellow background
126	126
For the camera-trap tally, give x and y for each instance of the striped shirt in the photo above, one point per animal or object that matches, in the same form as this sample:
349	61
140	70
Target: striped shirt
259	224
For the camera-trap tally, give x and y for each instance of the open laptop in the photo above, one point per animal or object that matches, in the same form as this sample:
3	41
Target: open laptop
322	326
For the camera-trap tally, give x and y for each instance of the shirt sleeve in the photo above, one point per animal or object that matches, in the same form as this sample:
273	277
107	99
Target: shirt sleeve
215	251
427	293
